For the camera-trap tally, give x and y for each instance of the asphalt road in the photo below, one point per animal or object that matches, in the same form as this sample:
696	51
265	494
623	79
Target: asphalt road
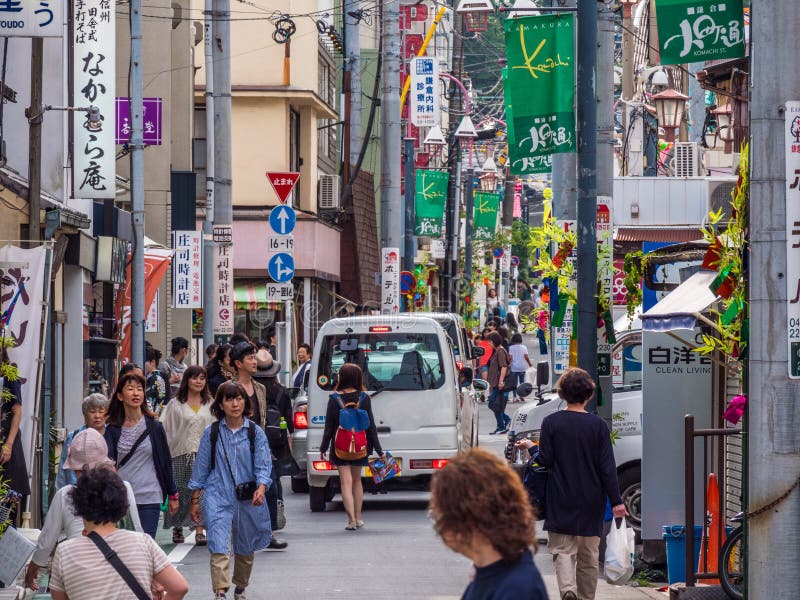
396	555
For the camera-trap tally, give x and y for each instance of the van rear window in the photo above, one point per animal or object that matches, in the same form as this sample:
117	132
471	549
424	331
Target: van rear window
390	361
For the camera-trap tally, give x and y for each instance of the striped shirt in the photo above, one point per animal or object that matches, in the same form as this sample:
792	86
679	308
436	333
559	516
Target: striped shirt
80	570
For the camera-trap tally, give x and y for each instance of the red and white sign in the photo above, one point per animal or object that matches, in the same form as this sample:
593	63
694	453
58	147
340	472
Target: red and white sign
187	269
390	281
605	266
282	183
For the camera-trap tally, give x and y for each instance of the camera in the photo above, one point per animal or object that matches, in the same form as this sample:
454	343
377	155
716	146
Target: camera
245	491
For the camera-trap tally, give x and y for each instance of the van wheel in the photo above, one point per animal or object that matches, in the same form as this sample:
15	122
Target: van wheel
630	485
316	498
330	492
299	485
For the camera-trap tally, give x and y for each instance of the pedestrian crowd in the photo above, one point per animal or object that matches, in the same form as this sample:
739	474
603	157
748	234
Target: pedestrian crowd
206	445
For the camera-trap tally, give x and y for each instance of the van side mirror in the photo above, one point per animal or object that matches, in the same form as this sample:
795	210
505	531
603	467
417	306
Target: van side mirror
478	351
480	385
542	373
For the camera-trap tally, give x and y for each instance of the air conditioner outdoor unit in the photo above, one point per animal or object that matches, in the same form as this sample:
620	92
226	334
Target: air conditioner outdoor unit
328	192
688	160
719	195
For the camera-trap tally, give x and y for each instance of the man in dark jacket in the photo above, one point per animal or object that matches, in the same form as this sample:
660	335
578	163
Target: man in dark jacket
576	447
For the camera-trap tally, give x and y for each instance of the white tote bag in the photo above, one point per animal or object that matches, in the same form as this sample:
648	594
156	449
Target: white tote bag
619	553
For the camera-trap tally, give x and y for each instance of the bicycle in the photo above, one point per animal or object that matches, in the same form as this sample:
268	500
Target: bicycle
731	561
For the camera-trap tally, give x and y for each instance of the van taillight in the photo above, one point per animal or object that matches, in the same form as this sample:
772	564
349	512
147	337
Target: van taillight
301	418
459	365
380	329
322	465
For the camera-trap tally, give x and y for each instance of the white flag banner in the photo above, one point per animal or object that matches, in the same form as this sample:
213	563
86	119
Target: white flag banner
25	268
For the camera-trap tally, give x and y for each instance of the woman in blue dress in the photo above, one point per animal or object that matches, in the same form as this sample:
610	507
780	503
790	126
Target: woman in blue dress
232	467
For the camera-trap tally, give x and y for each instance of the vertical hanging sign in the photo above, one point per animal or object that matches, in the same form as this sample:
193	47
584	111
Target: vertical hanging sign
187	270
30	18
424	99
94	78
223	289
485	215
792	119
429	197
540	88
390	281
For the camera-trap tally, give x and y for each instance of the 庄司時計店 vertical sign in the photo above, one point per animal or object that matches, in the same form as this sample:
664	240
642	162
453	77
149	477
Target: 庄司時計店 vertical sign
223	289
187	269
94	80
424	97
699	30
792	120
390	281
30	18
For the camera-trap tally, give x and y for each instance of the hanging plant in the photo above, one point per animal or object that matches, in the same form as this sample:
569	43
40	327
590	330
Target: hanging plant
633	268
10	373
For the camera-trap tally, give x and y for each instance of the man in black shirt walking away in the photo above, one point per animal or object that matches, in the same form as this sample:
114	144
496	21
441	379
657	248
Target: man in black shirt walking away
576	447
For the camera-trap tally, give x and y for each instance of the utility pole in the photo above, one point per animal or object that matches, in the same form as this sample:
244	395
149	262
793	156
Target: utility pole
773	443
223	207
587	190
352	64
35	115
410	242
137	185
208	223
453	203
392	209
605	154
469	200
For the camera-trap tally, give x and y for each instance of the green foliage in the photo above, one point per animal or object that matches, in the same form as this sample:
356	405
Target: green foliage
520	246
730	248
633	268
10	373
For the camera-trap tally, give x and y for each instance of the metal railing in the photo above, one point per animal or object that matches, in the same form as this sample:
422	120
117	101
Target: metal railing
690	433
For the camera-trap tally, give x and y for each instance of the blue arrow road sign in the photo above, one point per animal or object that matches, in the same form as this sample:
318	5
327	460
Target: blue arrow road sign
281	267
282	219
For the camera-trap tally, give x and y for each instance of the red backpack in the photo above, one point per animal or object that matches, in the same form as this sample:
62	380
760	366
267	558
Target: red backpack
350	442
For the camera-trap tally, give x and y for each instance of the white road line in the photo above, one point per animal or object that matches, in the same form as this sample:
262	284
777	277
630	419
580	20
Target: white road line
180	551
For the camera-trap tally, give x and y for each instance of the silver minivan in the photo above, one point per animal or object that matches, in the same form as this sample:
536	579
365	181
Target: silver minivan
422	416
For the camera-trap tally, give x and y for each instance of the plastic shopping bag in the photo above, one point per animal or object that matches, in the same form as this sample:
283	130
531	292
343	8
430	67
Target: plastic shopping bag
619	553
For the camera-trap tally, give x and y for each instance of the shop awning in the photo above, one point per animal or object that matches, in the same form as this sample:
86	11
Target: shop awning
657	234
252	295
682	307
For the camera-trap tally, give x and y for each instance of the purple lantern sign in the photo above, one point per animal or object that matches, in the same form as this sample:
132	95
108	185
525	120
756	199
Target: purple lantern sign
151	121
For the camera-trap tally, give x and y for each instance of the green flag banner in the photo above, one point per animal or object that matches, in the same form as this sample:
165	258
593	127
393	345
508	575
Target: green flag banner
519	162
539	89
485	215
699	30
429	197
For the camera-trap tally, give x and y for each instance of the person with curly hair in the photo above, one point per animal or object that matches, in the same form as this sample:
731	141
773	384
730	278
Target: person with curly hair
79	568
576	446
481	510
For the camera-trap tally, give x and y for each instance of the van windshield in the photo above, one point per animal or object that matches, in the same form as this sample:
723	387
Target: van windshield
390	361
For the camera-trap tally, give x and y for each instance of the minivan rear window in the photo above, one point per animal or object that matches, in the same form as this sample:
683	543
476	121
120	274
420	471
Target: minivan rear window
390	361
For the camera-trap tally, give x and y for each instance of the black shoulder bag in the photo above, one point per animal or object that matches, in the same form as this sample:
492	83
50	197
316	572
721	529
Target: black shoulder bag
119	566
136	444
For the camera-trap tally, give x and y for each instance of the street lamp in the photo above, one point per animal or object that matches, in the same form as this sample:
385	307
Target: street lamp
670	106
489	178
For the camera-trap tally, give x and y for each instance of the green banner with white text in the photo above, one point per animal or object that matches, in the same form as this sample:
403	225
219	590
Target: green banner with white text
539	89
699	30
485	215
429	197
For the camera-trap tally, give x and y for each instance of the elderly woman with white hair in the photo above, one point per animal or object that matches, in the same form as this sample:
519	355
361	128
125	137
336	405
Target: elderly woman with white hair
94	408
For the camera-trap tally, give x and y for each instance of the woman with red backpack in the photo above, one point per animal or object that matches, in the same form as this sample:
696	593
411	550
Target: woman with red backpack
351	436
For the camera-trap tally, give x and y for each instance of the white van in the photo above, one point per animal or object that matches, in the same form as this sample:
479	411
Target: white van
421	414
